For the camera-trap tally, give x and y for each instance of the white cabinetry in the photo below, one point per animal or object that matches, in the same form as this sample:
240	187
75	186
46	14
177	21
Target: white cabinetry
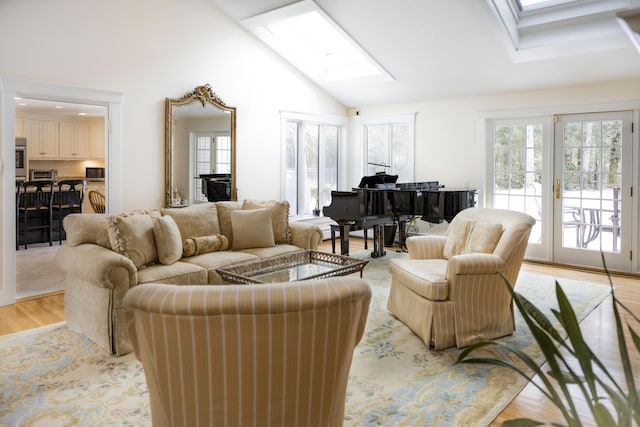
42	138
74	141
20	128
97	140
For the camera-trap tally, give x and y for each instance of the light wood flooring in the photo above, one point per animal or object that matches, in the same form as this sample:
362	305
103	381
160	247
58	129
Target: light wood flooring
599	327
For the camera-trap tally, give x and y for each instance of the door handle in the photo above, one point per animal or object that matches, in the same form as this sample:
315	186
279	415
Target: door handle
558	190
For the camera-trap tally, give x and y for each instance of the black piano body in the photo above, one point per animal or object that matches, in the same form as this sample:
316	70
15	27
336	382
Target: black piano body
397	203
216	187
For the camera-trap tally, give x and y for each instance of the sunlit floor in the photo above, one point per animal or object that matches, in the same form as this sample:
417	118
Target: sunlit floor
36	272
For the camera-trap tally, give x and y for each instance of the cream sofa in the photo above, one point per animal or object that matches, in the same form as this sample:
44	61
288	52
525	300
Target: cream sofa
106	255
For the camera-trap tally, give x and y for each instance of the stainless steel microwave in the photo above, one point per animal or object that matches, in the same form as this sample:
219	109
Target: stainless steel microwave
94	173
51	174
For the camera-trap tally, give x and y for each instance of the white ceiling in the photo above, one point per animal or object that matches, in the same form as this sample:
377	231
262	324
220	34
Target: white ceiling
440	49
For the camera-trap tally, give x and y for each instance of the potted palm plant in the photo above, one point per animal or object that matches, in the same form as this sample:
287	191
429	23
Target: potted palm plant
610	403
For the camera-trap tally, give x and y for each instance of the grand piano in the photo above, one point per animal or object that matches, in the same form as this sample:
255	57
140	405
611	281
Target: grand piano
216	186
379	200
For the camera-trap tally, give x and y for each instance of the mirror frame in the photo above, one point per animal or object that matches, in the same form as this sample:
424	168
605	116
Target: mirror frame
205	95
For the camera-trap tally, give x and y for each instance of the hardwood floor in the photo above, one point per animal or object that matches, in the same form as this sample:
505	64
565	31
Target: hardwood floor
43	310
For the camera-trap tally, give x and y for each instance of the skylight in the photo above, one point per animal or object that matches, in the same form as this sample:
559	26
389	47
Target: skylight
309	39
526	5
541	29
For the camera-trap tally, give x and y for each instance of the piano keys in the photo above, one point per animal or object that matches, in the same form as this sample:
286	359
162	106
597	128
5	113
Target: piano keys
397	203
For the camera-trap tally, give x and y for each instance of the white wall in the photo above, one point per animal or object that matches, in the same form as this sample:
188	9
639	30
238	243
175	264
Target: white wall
448	139
149	50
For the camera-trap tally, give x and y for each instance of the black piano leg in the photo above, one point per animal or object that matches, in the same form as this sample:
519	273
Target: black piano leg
344	239
402	234
378	241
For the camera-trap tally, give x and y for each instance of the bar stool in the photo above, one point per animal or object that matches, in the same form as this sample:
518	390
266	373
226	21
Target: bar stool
35	201
68	199
18	189
96	199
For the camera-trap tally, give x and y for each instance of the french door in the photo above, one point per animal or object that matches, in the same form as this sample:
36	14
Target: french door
592	189
573	174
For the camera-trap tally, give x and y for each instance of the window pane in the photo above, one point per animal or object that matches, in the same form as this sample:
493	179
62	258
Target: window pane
329	166
401	164
309	183
377	148
517	174
291	165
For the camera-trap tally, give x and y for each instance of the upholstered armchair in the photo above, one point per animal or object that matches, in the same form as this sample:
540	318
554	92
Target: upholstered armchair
240	355
449	291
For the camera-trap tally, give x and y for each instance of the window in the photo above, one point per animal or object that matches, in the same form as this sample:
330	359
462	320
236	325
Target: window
388	146
517	170
311	158
551	28
308	38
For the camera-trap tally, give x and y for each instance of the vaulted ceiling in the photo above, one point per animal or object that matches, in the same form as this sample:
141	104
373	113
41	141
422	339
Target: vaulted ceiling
449	49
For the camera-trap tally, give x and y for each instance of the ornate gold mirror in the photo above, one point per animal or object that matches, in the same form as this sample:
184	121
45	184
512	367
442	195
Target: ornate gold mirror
200	143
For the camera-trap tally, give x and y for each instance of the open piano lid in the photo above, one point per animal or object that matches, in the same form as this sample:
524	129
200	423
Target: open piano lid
379	178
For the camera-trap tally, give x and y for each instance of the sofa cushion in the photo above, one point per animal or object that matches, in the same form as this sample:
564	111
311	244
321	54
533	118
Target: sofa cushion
196	220
279	217
204	244
252	228
224	217
425	277
457	235
87	228
215	260
168	239
483	238
131	235
178	273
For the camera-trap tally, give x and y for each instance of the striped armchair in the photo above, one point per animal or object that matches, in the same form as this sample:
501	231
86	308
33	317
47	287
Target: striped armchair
240	355
449	291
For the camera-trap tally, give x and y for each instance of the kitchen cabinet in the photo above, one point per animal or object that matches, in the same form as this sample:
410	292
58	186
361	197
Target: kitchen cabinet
19	128
74	141
42	138
97	141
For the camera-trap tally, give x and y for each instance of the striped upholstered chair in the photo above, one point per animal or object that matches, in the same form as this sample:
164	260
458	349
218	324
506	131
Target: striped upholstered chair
242	355
449	291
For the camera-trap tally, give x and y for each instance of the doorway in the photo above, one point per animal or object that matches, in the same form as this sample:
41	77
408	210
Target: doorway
11	88
592	189
573	173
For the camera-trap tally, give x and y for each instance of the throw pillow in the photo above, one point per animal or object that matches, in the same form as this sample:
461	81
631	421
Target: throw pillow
168	239
457	237
484	238
196	220
252	228
279	217
131	234
204	244
86	228
224	217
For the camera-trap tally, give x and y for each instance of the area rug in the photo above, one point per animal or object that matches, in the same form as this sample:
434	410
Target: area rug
51	376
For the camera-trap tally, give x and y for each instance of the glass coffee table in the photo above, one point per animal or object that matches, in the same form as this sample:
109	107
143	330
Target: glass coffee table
301	265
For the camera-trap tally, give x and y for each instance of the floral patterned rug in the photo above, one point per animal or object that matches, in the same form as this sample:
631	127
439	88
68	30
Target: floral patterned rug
53	377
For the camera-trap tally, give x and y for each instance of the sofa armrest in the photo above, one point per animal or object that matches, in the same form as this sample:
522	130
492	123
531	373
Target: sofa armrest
425	247
305	235
475	263
97	265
